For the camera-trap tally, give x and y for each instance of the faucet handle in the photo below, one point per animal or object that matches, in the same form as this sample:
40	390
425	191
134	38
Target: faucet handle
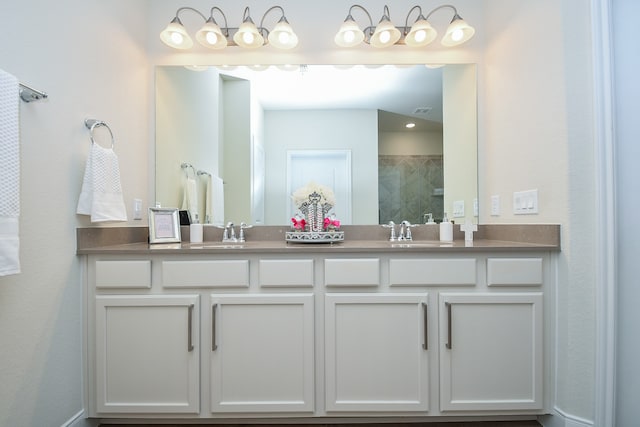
392	226
408	226
243	226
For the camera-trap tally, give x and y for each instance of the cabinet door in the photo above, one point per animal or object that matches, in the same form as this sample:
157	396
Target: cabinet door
147	354
377	352
491	351
262	349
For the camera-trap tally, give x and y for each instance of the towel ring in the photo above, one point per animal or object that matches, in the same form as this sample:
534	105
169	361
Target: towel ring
91	124
186	166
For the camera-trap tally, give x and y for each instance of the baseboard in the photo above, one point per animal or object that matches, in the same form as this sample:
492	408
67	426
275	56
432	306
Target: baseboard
559	418
79	420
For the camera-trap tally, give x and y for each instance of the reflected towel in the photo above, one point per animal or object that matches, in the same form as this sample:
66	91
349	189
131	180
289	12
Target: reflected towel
9	174
190	199
101	195
208	201
217	204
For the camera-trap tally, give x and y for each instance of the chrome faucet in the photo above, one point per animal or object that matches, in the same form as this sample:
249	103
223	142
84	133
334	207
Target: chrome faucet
405	231
229	233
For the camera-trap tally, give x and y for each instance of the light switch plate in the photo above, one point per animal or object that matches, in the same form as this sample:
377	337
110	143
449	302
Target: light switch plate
495	205
458	209
137	208
525	202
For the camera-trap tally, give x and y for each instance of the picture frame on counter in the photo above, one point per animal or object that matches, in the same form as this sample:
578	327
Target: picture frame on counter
164	225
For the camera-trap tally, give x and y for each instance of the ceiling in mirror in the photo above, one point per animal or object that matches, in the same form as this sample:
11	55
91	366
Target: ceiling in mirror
402	91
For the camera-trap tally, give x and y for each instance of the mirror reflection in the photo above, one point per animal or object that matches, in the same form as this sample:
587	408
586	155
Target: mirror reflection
233	143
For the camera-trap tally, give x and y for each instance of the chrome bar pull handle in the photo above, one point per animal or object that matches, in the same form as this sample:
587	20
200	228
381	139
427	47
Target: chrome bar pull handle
214	308
448	306
190	329
425	312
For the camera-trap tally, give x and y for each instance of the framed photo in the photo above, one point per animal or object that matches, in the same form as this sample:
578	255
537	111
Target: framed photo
164	225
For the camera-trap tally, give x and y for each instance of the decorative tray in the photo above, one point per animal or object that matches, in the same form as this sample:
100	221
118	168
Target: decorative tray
314	236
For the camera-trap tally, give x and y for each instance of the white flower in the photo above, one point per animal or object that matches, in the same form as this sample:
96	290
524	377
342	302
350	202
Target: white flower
301	195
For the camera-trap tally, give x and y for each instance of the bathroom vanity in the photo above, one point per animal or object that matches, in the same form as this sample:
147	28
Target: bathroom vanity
358	329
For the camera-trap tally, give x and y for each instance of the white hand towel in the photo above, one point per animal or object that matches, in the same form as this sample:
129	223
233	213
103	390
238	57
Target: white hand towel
190	198
101	195
9	174
208	201
218	201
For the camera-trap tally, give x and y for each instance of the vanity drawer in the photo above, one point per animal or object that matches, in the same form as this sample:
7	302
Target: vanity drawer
286	272
432	272
514	271
123	274
205	274
352	272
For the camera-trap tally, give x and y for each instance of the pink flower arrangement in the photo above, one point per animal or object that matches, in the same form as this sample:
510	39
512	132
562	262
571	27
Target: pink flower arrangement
298	223
331	223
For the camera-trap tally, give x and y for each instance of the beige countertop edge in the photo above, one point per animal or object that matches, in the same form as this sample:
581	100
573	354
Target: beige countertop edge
282	247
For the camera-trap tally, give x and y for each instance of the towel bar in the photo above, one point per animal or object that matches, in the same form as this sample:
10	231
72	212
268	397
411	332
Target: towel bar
29	94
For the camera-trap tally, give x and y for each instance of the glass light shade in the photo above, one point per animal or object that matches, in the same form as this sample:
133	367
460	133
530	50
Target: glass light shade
349	34
176	36
248	35
282	36
421	34
386	34
211	36
458	32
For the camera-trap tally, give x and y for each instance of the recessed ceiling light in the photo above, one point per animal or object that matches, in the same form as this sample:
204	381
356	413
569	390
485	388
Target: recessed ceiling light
410	125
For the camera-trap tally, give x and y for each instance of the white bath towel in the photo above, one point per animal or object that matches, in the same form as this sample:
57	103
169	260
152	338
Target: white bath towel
217	203
101	195
208	200
9	174
190	198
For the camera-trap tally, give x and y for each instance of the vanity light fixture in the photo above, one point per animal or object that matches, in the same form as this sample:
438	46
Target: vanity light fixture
419	34
247	35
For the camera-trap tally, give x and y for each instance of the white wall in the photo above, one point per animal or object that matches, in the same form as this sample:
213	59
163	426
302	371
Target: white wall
356	130
426	143
537	134
627	128
186	110
236	161
460	135
90	57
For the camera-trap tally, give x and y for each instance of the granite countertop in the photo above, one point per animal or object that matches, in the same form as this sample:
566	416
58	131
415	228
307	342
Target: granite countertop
358	239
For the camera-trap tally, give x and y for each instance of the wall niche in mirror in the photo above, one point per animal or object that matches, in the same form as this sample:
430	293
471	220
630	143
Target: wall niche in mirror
238	123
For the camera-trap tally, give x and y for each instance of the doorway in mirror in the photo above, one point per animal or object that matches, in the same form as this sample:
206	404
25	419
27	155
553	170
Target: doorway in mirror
331	168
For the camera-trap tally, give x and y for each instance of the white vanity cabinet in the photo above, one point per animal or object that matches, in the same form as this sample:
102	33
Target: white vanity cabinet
262	353
147	354
304	333
376	352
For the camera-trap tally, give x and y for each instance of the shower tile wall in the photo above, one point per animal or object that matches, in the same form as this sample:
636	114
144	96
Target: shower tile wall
409	187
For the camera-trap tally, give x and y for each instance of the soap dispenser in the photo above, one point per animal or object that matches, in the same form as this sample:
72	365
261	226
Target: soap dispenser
446	230
195	230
